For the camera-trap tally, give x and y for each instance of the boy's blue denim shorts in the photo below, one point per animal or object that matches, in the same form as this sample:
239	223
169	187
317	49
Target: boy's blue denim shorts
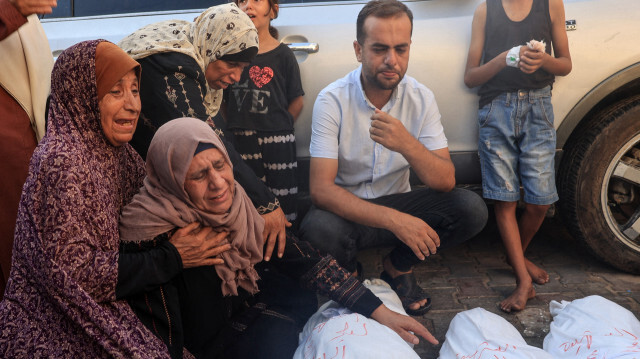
517	144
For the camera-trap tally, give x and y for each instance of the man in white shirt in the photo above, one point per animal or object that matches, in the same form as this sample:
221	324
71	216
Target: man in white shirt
368	129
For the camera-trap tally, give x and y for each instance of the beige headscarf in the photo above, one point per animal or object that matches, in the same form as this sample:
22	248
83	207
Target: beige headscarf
218	31
163	203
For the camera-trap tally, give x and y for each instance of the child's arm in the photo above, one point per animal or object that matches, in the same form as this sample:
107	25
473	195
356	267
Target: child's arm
560	63
295	107
476	74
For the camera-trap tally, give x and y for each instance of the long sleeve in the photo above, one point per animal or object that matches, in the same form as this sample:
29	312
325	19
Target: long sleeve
147	272
10	19
326	276
143	271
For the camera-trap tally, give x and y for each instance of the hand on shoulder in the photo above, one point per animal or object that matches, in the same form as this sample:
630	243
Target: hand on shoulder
198	246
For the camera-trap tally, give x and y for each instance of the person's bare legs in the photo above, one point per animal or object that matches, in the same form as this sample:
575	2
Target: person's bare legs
529	224
508	227
393	272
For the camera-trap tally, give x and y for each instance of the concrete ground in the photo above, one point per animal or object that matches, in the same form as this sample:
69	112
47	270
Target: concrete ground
475	274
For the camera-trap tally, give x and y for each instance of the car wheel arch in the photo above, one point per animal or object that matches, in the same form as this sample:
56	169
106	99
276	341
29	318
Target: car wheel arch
622	84
599	185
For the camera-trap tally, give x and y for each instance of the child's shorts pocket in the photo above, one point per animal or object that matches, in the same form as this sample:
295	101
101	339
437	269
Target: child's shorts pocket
484	114
546	110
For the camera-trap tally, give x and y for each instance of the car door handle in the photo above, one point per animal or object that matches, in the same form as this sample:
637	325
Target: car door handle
308	47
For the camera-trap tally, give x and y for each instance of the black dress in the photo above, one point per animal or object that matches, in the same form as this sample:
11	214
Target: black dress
173	86
185	307
258	119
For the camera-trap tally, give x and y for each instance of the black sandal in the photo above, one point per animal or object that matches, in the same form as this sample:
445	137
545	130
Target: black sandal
407	288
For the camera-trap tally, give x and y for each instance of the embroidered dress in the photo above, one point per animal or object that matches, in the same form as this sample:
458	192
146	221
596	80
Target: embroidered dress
215	310
189	309
174	56
60	298
262	127
220	30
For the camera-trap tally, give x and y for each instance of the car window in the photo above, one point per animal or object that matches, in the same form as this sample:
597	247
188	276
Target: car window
72	8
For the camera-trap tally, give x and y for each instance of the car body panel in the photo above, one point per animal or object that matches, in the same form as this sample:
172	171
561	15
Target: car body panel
601	47
594	105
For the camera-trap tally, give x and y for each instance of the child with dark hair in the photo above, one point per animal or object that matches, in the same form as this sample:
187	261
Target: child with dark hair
262	107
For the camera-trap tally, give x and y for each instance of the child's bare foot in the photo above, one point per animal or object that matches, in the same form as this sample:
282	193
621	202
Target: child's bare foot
518	299
538	275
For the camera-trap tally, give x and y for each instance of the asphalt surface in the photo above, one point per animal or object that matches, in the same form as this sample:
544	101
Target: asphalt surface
475	274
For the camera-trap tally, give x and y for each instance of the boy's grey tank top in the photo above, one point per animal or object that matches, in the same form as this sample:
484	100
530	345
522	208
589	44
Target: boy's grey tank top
502	34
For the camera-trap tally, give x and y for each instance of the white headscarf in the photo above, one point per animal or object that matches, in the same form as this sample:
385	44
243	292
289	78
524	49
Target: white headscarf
218	31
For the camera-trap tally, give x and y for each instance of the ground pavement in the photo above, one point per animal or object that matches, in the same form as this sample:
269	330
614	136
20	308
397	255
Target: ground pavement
475	274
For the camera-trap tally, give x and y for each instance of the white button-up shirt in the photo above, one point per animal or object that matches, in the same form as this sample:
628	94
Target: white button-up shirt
340	130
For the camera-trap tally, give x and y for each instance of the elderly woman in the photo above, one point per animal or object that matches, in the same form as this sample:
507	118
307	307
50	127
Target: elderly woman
185	67
60	300
225	309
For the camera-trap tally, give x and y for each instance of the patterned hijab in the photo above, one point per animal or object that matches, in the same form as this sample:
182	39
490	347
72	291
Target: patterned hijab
163	204
60	299
218	31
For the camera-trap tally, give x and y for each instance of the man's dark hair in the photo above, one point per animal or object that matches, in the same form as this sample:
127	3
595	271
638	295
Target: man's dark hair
382	9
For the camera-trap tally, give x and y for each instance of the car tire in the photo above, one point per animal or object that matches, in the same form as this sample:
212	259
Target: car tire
599	185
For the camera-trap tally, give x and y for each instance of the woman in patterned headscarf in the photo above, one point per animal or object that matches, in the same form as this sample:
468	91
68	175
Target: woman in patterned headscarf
223	310
60	299
185	67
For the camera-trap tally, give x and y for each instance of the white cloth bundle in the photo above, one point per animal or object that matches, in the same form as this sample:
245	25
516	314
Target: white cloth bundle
335	332
592	327
480	334
537	45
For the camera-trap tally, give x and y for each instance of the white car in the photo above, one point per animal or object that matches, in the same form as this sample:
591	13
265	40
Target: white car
597	106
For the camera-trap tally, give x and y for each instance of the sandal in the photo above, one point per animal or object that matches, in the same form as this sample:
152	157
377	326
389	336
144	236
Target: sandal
407	288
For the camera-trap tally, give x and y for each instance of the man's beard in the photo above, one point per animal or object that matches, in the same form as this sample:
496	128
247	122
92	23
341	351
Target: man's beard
383	85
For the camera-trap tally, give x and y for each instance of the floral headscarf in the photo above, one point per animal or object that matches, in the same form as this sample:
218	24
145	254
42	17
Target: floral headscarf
218	31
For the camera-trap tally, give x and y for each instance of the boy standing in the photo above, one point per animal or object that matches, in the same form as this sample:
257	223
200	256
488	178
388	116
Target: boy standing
517	138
